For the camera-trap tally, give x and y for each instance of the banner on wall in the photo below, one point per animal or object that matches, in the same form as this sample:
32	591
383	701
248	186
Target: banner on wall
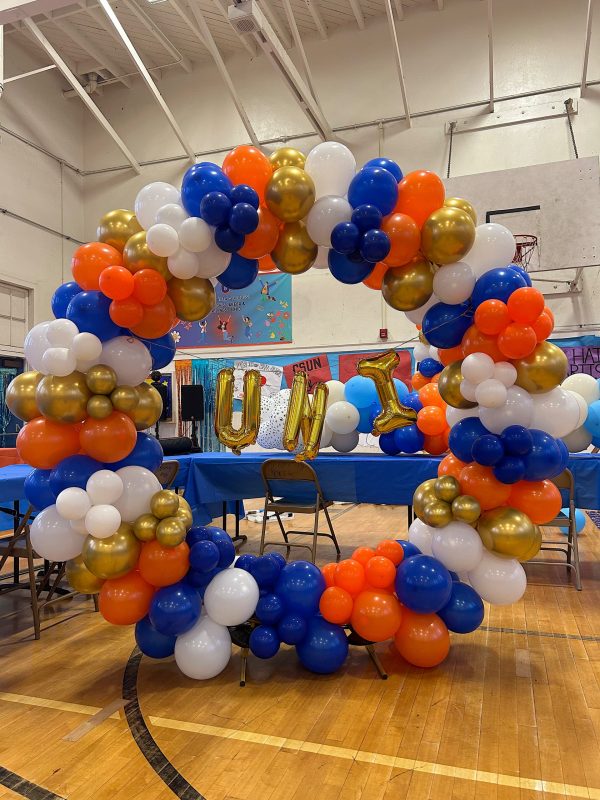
258	315
270	378
317	369
583	359
348	364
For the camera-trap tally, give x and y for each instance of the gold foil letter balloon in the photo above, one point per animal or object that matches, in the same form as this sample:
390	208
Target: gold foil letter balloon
394	414
302	415
246	434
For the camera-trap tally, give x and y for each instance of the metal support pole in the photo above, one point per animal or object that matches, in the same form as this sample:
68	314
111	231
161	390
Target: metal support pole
490	16
390	15
586	52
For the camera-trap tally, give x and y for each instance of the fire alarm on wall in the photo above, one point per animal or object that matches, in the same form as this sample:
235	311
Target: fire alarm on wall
383	334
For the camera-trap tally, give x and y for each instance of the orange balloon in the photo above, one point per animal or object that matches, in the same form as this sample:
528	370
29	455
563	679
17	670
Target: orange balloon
540	500
109	439
404	236
336	605
450	355
430	395
246	164
350	575
125	600
43	442
542	326
525	305
90	260
127	313
420	193
422	639
474	341
391	549
550	314
263	240
116	282
451	465
158	320
431	420
162	566
363	555
491	317
380	572
517	340
328	572
376	616
436	445
480	483
419	381
266	264
374	279
149	287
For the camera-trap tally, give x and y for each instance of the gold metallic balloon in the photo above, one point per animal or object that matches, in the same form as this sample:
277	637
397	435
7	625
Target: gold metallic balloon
164	503
466	509
116	227
101	379
409	286
20	395
306	416
99	406
543	370
247	433
145	527
149	408
63	399
464	205
81	579
449	386
295	252
437	514
124	398
170	532
112	557
509	532
393	414
193	298
137	255
185	515
287	157
447	235
290	194
424	494
446	488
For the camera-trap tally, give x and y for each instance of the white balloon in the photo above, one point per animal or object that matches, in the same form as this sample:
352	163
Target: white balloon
584	385
152	198
61	333
73	503
195	235
342	417
556	412
35	345
477	367
59	361
454	283
322	259
490	393
129	358
344	442
231	597
183	264
139	484
420	535
518	410
421	351
53	538
79	526
336	392
171	214
331	165
454	415
204	651
498	580
102	521
468	390
505	372
457	546
326	436
494	246
577	441
86	347
583	407
434	353
104	487
326	213
417	314
162	240
212	261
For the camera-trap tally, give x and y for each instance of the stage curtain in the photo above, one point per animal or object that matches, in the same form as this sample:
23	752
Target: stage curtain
183	376
204	372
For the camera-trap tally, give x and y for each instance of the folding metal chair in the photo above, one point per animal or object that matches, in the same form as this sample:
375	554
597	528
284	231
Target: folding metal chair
167	472
311	501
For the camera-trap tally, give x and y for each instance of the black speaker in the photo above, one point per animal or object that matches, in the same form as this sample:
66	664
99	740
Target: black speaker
162	390
176	445
192	403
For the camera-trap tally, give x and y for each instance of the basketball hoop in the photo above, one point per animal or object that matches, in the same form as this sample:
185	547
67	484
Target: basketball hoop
526	243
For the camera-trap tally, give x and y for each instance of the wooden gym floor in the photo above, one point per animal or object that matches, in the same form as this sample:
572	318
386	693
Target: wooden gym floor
514	712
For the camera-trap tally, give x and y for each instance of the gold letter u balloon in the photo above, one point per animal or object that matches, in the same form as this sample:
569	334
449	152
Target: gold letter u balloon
393	414
247	433
302	415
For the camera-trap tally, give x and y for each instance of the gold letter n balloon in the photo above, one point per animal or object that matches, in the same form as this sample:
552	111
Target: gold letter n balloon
302	415
393	414
247	433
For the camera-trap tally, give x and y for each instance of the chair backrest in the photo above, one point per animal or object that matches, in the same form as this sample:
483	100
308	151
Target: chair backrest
280	474
566	484
167	473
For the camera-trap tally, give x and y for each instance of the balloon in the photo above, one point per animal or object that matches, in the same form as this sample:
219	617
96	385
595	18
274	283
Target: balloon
380	571
386	163
162	239
454	283
21	395
53	538
376	616
324	648
231	597
487	450
264	641
243	218
431	421
157	320
80	578
420	193
447	235
62	297
501	581
295	251
110	439
247	165
360	392
194	235
240	273
215	208
374	186
101	521
423	584
345	238
409	439
161	351
410	286
542	326
517	341
263	240
583	384
342	417
115	227
509	532
193	299
126	313
374	246
149	287
579	440
227	239
449	386
347	269
497	284
331	165
525	305
139	485
300	586
505	372
290	194
464	612
172	214
89	260
490	393
147	453
544	459
510	469
445	325
463	436
480	483
43	443
422	639
72	471
323	217
152	198
451	465
287	157
183	263
476	342
175	609
491	317
540	500
138	256
556	412
73	503
90	312
163	566
543	369
419	535
463	205
199	180
204	651
518	410
494	246
152	643
37	489
335	605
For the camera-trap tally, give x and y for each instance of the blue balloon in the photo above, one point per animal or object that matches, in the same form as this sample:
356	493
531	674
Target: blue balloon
430	367
401	389
423	584
37	489
510	469
278	557
73	471
244	194
265	571
580	520
409	548
367	218
412	401
545	458
204	556
300	586
360	391
375	412
240	273
324	648
224	544
152	643
454	576
517	440
386	163
592	422
365	422
388	443
198	533
200	580
243	219
228	240
269	609
146	453
161	350
444	325
374	186
245	561
345	237
215	208
200	180
497	284
175	609
62	297
264	641
292	628
487	450
348	269
463	436
463	613
409	439
523	273
374	246
89	311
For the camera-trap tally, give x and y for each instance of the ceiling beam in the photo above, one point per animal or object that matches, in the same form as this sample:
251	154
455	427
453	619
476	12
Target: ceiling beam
99	17
315	12
440	5
93	49
586	51
221	6
398	58
490	32
358	14
289	13
160	37
275	21
72	79
399	9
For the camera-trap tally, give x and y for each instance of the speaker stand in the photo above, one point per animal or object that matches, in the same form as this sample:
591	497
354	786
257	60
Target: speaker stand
157	430
195	442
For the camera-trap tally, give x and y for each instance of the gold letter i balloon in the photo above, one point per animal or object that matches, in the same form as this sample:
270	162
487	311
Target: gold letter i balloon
302	415
246	434
394	414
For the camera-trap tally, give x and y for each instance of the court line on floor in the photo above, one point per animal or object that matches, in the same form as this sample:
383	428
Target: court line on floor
579	637
25	788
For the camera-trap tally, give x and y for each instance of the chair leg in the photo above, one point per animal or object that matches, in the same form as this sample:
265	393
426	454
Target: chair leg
574	544
315	536
96	605
333	536
35	605
375	659
263	532
244	662
283	533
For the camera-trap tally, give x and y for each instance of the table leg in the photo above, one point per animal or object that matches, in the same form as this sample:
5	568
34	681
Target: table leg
224	516
239	538
409	515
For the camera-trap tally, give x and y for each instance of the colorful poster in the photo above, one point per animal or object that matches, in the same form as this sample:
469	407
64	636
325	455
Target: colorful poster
583	359
317	369
348	364
270	378
260	314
